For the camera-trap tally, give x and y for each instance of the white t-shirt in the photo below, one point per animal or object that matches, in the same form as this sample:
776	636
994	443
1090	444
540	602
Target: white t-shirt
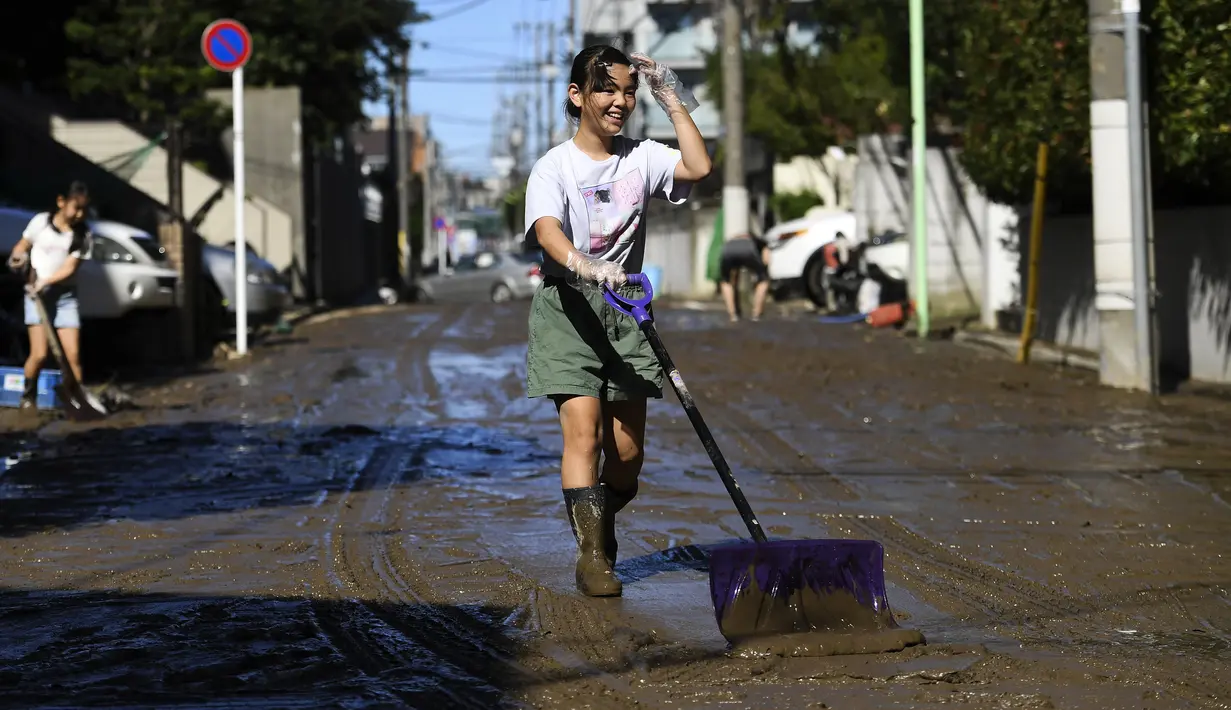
601	204
50	248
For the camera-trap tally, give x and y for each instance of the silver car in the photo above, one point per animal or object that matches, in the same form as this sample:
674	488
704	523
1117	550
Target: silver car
484	276
119	277
268	297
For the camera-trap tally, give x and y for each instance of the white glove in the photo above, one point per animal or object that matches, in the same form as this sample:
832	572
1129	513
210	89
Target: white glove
589	269
18	262
665	86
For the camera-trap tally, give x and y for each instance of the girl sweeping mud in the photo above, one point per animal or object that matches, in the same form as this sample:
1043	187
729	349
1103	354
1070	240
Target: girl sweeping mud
53	245
585	206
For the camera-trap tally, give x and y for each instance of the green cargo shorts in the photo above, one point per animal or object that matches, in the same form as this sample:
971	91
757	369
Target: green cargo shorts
579	345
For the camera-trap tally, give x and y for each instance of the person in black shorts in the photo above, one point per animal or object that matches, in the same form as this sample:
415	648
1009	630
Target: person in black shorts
744	252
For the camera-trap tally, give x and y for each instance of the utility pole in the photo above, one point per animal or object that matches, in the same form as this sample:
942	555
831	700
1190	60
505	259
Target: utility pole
919	167
538	88
549	71
178	236
572	40
403	158
1124	262
429	204
734	188
572	29
392	168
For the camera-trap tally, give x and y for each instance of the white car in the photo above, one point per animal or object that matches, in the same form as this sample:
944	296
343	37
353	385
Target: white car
118	278
795	261
796	264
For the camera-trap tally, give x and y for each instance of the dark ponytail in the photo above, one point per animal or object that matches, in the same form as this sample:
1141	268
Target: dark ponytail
76	189
591	72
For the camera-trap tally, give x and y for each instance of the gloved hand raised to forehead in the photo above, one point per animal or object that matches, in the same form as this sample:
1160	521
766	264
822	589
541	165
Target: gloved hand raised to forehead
664	85
590	269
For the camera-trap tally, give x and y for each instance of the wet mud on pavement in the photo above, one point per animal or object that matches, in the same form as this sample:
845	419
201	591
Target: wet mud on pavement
369	516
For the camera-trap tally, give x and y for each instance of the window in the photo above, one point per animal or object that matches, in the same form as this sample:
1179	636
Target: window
155	250
108	251
466	263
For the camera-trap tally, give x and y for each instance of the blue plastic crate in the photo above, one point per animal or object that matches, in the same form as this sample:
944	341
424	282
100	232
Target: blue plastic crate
13	383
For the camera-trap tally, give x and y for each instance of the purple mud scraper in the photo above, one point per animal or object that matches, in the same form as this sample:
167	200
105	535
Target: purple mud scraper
789	597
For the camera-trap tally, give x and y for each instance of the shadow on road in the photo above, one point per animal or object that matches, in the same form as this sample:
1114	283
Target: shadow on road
158	650
169	472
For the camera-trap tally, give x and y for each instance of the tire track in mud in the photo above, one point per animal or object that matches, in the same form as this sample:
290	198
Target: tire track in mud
404	625
963	587
419	652
400	624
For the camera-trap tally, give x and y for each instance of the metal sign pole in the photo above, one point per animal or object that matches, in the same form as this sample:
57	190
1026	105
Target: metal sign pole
919	170
241	242
227	46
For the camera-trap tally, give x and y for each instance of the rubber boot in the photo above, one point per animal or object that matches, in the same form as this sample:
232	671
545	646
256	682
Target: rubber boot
29	397
586	506
616	500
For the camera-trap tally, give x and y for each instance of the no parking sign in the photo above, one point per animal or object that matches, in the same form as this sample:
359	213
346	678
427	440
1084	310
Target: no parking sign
227	46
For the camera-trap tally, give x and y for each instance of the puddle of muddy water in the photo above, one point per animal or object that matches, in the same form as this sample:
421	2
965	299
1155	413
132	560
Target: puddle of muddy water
474	386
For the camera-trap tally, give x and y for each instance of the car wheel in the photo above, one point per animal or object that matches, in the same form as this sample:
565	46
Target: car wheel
501	293
814	281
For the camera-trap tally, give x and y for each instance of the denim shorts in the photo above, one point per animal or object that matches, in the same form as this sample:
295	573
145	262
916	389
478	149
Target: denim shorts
61	309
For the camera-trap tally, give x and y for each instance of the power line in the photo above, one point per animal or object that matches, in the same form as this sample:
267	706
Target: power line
456	11
446	119
466	51
478	79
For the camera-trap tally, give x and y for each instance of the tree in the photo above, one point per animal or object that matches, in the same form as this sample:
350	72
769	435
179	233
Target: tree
1190	102
35	56
140	60
853	79
803	99
1024	64
1001	76
1026	67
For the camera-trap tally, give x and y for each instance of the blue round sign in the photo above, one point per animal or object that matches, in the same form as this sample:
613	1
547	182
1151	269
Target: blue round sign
226	44
439	223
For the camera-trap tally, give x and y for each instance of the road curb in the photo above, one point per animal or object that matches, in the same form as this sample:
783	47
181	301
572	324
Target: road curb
325	315
1039	352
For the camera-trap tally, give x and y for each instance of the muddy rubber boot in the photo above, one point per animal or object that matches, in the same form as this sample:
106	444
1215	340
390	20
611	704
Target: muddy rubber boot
595	578
29	396
616	500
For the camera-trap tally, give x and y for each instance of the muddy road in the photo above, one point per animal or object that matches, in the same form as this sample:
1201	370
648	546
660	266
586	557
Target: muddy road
368	515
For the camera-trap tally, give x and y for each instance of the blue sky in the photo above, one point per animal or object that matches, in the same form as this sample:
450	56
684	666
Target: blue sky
473	39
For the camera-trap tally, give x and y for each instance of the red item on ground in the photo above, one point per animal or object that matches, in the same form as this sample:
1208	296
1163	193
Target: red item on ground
890	314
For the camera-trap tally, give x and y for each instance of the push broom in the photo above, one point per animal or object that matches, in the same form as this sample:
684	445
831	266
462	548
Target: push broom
809	596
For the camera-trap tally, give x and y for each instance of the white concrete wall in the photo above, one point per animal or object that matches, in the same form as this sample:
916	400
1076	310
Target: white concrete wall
267	227
677	241
832	176
959	219
1193	265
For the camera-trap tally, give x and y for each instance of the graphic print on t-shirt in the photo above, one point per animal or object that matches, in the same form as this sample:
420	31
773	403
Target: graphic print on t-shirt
614	210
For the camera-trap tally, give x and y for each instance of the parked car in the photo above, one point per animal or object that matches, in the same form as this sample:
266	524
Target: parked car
796	264
268	297
268	294
485	276
121	275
